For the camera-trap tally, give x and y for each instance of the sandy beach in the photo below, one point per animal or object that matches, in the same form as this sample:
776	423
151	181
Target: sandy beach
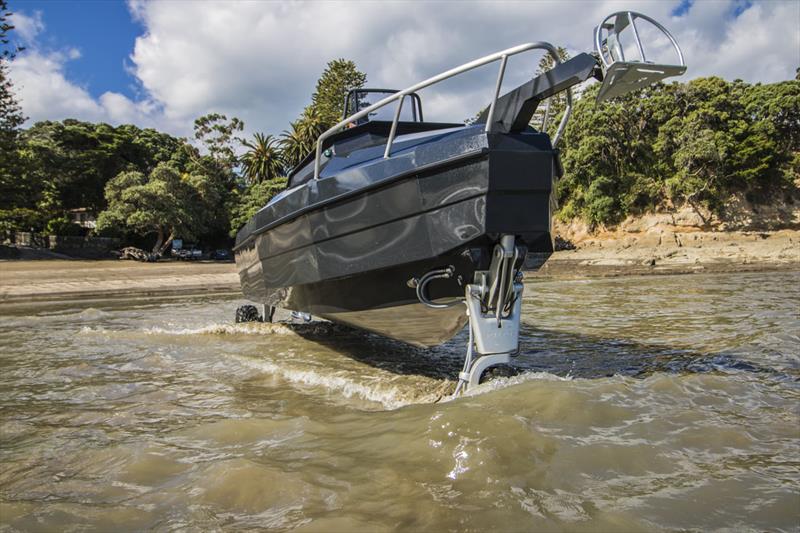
46	280
665	252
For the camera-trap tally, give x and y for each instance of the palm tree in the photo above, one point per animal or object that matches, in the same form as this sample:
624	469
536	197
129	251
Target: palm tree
292	145
301	139
263	160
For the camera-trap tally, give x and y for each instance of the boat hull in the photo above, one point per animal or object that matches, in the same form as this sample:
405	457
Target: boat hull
353	260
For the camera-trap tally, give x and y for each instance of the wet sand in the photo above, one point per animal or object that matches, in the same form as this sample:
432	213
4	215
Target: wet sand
46	280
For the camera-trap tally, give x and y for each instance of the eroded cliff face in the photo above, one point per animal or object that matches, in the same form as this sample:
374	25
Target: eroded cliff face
688	239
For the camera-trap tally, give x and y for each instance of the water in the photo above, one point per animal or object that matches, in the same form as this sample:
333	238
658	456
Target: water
644	403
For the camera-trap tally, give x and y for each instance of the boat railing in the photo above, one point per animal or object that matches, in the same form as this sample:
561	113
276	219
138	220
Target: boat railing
608	47
622	75
501	56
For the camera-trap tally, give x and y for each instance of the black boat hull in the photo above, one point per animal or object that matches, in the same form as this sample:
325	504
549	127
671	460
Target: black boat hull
351	258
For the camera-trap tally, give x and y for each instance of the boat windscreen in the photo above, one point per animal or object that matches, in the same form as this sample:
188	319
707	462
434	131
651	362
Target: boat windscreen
359	99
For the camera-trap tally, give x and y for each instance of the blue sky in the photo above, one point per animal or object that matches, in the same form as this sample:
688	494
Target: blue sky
164	63
102	30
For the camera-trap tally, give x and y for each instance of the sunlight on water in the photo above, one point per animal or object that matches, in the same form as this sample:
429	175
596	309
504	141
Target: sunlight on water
640	404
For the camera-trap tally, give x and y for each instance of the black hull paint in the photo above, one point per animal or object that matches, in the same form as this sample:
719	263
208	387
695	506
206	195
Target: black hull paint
348	254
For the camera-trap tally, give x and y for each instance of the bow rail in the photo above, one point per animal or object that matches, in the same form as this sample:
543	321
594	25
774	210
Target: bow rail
501	56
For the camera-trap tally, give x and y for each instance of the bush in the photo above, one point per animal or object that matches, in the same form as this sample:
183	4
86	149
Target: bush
63	226
21	219
699	142
247	203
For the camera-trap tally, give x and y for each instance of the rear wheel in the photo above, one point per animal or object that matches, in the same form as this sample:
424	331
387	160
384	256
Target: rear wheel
247	313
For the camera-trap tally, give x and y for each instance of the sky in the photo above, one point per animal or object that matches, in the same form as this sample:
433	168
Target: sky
164	63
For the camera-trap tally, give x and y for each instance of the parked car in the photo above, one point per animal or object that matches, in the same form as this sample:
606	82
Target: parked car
221	255
188	254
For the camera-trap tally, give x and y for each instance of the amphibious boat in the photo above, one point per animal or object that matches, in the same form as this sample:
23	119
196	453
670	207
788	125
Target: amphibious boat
409	228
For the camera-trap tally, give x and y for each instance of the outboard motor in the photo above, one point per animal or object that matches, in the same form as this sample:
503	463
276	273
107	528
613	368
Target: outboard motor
494	298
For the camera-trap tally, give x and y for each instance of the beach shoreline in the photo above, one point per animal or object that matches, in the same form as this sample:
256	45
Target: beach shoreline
666	253
43	280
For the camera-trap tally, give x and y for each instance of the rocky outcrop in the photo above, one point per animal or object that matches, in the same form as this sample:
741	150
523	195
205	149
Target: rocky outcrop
685	240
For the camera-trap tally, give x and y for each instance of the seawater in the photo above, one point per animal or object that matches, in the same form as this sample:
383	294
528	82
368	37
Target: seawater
640	403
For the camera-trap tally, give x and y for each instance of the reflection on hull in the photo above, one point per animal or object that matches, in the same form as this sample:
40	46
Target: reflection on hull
413	323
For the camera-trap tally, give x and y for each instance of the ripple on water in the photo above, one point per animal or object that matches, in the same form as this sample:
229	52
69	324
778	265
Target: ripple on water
643	404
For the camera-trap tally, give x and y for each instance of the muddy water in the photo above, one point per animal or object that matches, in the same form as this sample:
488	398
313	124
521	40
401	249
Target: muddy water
653	403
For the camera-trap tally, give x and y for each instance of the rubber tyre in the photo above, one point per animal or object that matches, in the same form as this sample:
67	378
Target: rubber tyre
247	313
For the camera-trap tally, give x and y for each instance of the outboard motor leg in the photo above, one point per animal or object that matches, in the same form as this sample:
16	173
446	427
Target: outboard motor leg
494	306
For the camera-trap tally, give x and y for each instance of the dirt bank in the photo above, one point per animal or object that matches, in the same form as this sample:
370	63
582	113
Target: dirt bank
671	243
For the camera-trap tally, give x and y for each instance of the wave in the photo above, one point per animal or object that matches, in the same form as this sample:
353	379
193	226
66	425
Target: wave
254	328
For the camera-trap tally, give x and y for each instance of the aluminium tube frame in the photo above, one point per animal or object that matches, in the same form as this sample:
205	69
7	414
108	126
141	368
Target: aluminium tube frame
502	56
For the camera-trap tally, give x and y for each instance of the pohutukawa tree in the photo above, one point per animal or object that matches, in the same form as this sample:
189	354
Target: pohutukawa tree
165	203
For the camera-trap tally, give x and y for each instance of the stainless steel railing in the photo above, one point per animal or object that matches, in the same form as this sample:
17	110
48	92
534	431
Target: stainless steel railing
610	49
501	56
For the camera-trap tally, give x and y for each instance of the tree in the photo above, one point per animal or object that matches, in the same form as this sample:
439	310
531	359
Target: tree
262	161
325	110
549	112
247	203
301	139
68	163
7	50
216	133
698	143
165	203
339	77
11	117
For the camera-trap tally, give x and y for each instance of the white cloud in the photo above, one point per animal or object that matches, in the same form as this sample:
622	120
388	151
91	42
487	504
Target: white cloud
27	27
46	94
260	60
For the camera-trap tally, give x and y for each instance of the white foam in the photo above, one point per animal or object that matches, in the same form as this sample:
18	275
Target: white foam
225	329
390	397
500	383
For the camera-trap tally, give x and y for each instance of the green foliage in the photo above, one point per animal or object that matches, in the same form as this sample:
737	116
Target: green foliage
246	204
11	116
325	110
165	203
216	133
295	144
301	139
67	164
62	226
21	219
7	50
263	160
339	77
697	142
